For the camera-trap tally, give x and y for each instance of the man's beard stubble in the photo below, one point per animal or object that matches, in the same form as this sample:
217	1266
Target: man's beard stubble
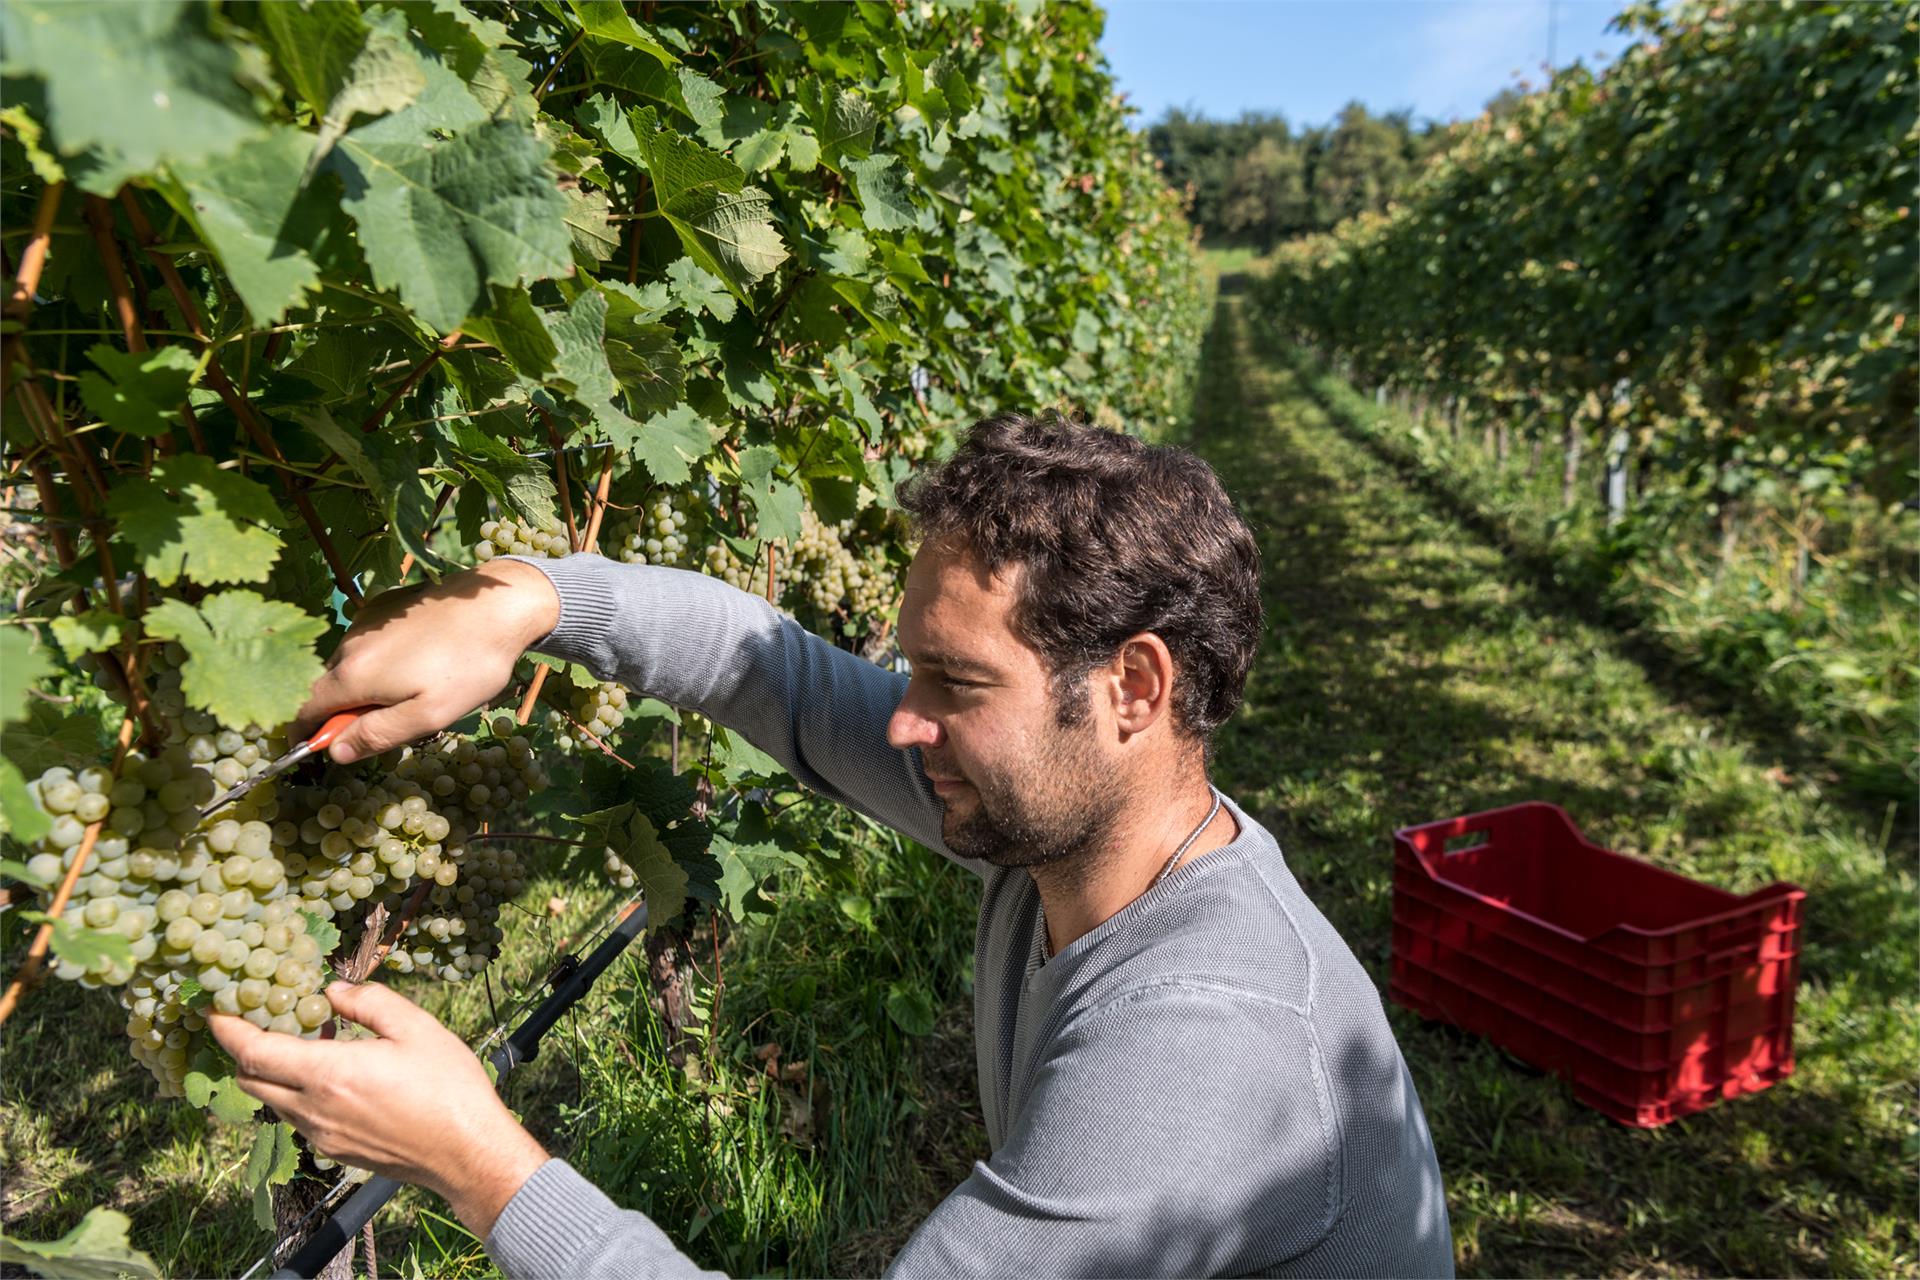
1050	811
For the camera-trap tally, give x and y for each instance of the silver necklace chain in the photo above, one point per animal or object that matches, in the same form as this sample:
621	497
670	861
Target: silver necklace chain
1186	844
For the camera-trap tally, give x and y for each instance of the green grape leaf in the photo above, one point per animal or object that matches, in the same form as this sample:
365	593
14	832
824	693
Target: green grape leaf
843	123
139	80
730	234
744	867
192	995
739	759
341	368
645	360
633	837
580	366
777	502
21	872
698	290
261	221
313	45
588	227
879	307
440	222
725	226
608	20
191	519
680	165
512	323
385	75
761	151
668	443
94	631
389	465
271	1162
221	1094
137	392
23	664
32	140
322	930
75	943
250	660
520	485
97	1249
910	1006
20	817
47	735
883	199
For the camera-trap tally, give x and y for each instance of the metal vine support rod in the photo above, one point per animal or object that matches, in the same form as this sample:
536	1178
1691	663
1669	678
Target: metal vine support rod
571	979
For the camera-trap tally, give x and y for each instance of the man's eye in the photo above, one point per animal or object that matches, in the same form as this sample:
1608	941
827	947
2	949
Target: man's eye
954	682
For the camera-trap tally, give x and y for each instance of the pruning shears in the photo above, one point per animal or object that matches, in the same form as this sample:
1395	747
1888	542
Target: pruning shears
321	739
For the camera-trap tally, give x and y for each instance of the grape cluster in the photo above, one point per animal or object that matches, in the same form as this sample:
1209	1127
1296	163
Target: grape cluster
470	782
721	562
818	565
206	905
218	912
661	532
456	930
517	537
620	872
833	575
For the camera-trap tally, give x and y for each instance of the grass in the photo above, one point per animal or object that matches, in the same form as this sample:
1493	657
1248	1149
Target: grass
1412	672
1831	663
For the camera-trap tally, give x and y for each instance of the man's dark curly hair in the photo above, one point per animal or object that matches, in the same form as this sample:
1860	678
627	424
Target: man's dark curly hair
1116	537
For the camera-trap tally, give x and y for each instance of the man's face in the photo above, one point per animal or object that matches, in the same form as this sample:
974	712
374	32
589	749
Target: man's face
1019	789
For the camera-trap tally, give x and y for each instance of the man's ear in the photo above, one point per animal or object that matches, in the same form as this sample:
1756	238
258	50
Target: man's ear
1141	680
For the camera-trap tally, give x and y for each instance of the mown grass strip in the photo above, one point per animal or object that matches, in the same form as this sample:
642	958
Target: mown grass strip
1413	672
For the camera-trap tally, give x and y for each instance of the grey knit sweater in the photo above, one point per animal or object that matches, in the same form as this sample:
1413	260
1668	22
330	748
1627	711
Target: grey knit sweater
1204	1085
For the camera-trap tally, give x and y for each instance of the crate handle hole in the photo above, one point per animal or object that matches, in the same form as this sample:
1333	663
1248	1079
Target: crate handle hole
1465	842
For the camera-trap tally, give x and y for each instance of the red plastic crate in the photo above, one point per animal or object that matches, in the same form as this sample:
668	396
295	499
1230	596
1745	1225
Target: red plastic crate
1654	994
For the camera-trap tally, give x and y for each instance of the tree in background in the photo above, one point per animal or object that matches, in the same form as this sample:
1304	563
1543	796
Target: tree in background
1255	181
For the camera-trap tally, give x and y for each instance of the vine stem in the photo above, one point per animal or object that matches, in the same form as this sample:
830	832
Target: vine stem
33	259
560	465
100	223
241	409
446	344
29	972
593	537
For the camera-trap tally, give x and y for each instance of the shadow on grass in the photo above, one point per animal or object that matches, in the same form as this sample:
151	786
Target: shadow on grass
1869	786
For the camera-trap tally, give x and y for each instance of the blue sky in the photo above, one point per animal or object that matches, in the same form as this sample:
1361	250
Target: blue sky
1308	58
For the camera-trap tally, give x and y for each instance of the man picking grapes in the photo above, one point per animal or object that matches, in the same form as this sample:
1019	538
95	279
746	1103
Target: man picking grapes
1183	1068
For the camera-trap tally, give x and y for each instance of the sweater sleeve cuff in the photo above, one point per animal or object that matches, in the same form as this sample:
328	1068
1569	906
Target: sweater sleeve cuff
587	607
554	1216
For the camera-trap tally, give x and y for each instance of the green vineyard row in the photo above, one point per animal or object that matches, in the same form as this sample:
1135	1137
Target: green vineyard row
311	301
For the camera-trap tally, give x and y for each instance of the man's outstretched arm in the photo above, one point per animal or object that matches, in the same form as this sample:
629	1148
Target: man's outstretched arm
430	655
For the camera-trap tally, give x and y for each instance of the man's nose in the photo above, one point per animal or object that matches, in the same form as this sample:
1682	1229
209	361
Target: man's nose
908	728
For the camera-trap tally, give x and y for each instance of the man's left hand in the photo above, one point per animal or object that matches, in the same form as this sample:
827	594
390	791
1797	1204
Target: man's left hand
414	1105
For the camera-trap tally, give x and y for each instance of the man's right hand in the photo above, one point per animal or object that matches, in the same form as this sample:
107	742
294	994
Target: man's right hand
425	656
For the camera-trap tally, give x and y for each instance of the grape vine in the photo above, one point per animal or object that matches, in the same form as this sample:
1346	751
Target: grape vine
379	290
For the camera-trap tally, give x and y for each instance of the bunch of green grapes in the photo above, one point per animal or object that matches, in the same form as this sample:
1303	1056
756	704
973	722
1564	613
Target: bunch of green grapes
456	931
832	576
620	872
661	532
721	562
347	840
517	537
473	782
205	905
